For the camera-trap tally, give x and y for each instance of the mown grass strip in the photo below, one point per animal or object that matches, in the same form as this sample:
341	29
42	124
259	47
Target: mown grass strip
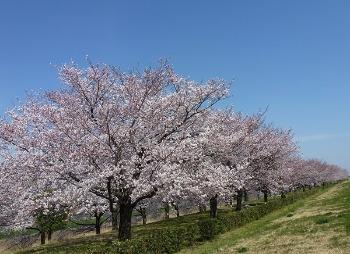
259	227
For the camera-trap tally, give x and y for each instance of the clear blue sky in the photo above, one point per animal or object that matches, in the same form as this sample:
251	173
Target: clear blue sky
293	56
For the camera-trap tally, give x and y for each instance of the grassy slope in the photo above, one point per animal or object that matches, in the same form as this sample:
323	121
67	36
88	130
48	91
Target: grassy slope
319	224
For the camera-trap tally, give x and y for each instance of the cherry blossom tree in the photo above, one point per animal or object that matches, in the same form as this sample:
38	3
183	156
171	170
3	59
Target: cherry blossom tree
115	134
274	148
83	202
230	147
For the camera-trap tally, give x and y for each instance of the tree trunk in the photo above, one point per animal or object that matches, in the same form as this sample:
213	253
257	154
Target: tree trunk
114	214
265	195
213	206
98	223
42	237
245	195
176	208
125	212
283	195
49	235
239	200
144	216
303	188
166	211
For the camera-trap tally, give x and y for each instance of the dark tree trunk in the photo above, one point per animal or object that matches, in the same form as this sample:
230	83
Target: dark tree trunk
98	229
265	195
98	223
303	188
245	195
166	211
239	200
283	195
142	211
114	217
213	206
42	237
144	216
125	212
49	235
176	208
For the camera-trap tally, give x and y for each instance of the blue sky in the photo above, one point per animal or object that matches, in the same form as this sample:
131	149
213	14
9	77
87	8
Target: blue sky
292	56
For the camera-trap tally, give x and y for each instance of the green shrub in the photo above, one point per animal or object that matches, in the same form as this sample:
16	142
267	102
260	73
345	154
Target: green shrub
157	242
208	228
226	222
242	249
322	220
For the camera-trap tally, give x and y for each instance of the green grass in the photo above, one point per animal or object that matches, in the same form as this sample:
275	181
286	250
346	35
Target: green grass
14	233
318	224
256	227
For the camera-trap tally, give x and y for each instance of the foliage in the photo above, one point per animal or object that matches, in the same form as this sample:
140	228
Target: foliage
322	220
51	220
208	229
158	242
242	249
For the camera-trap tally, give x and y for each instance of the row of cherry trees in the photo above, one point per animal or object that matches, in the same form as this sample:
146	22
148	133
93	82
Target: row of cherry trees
111	141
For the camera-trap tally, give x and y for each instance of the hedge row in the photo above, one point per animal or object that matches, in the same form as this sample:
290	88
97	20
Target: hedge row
159	241
172	240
